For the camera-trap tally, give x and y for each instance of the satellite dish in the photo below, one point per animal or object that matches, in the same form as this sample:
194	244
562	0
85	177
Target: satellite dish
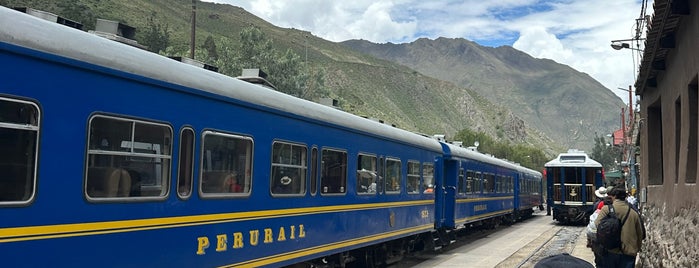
476	144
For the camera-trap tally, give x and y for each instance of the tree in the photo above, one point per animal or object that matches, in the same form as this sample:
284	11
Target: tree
285	73
286	70
605	153
210	47
315	84
255	49
156	35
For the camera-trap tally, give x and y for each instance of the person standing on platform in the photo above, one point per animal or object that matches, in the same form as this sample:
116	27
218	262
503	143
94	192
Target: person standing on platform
632	232
597	248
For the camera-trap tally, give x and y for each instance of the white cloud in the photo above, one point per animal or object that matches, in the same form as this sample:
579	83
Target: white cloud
539	43
580	32
571	32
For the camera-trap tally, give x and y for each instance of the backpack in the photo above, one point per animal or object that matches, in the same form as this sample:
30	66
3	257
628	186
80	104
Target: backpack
609	229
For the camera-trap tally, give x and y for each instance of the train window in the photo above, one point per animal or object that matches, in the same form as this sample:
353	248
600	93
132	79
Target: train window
185	170
508	184
288	169
461	182
127	158
381	175
314	170
573	175
333	178
19	139
366	174
501	184
393	175
226	164
488	183
478	183
413	177
529	185
470	181
498	184
555	173
428	177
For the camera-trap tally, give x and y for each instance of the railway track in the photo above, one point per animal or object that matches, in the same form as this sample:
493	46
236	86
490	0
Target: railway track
563	241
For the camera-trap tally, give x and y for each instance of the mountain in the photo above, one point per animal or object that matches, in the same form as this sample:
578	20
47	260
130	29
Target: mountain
567	105
427	86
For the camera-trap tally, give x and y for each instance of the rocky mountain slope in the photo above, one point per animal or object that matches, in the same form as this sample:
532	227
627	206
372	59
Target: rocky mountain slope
565	104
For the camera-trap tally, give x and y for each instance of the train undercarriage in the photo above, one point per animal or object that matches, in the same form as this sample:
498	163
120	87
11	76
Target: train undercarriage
572	214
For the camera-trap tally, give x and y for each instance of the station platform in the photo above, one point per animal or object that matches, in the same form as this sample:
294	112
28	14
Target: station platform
581	250
519	245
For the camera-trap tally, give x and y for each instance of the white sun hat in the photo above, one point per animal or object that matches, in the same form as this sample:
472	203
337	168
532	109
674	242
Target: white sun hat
601	192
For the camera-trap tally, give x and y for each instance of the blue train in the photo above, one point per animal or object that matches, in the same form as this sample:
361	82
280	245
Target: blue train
571	180
113	157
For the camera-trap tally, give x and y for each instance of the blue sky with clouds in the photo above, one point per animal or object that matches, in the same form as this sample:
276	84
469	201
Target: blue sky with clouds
577	33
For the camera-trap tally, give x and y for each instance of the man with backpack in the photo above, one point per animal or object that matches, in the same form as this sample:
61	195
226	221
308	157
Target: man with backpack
620	231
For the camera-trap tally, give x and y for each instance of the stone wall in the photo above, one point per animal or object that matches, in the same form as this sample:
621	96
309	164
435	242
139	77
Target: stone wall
672	238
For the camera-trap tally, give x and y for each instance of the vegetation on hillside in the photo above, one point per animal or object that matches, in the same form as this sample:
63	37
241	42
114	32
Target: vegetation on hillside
526	155
256	51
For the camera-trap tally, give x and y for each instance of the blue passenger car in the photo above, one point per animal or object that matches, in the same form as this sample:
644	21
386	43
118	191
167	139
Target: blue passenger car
484	190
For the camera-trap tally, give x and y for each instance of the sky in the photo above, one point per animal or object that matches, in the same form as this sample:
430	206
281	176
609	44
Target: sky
577	33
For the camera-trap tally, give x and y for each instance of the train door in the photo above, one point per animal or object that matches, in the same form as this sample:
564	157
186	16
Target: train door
446	174
451	175
439	196
519	182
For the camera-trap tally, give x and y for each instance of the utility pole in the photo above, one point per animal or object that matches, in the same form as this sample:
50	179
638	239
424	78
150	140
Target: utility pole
630	107
193	34
305	48
623	135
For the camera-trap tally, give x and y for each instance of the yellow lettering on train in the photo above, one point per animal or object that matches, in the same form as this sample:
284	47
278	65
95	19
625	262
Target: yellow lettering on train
254	237
221	242
203	244
268	236
302	233
281	236
238	240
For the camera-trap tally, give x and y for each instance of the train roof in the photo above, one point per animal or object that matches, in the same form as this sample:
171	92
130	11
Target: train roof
468	153
573	158
30	32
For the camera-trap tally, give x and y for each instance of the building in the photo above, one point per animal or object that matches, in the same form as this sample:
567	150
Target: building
668	84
